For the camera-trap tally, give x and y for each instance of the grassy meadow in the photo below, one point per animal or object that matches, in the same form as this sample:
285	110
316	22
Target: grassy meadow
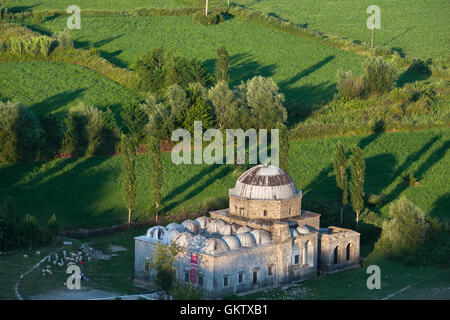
418	28
87	191
53	87
304	69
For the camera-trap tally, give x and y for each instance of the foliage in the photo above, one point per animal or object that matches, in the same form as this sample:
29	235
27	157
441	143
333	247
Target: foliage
162	262
349	86
188	291
357	172
64	39
135	119
156	178
51	136
264	100
199	108
31	229
19	133
150	67
379	75
214	17
406	229
53	227
222	65
129	173
90	131
226	106
340	171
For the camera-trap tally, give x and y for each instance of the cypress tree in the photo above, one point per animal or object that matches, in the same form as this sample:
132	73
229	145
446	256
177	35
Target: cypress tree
357	170
222	65
129	173
340	170
156	177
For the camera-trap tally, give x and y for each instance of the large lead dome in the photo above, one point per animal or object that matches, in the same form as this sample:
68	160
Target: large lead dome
265	182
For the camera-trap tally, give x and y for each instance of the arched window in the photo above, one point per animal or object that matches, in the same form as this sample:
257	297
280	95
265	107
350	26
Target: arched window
349	252
336	254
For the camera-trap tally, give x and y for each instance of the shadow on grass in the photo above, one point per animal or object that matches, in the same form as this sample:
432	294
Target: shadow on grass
56	101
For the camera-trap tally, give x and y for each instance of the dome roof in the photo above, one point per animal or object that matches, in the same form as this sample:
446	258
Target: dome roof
214	246
183	239
171	235
156	233
246	239
294	232
232	242
197	243
228	229
244	229
190	225
261	236
174	225
215	225
203	222
304	229
265	182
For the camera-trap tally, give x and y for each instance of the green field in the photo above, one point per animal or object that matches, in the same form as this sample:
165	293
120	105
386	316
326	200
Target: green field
53	87
304	69
87	191
417	27
20	5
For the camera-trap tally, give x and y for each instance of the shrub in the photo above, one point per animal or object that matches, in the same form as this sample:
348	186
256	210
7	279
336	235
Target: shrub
51	136
211	19
199	109
64	39
374	200
406	230
349	86
379	75
19	133
189	291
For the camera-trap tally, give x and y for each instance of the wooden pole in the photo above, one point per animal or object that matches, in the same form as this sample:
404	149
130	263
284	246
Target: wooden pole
206	9
373	27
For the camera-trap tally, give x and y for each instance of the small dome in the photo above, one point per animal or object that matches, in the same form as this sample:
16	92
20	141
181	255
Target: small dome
232	242
261	236
203	222
244	229
190	225
177	226
304	229
183	239
228	229
215	225
198	243
294	232
156	233
171	235
246	239
265	182
215	246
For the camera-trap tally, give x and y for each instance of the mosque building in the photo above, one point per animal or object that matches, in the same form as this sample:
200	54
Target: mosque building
263	239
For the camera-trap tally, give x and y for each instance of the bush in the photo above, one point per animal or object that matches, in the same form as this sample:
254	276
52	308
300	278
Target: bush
51	133
211	19
181	291
19	133
64	39
374	200
349	86
379	75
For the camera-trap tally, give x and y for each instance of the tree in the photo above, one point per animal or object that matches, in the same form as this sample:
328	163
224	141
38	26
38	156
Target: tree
226	105
357	171
51	136
264	100
199	108
162	262
135	120
19	133
188	291
379	75
129	173
150	68
156	178
284	147
64	39
406	229
340	170
52	228
222	65
31	228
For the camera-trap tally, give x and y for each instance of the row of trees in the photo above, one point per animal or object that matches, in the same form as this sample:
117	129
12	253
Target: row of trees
19	233
356	184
